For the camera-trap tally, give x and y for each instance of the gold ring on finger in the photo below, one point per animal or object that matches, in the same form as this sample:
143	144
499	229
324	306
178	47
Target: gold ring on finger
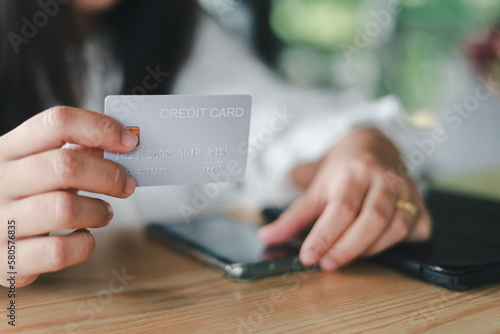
411	207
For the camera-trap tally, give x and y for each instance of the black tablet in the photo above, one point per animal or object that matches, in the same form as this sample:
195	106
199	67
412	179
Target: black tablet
464	250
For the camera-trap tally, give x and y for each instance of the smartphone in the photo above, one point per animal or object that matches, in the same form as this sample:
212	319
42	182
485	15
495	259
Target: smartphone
230	245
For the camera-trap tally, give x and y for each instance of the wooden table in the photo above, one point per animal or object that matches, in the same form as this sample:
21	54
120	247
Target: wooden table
133	285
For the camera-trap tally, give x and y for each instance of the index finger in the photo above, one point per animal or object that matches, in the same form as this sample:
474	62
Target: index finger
60	125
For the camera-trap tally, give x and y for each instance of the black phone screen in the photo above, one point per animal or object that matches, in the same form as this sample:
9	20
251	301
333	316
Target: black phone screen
232	240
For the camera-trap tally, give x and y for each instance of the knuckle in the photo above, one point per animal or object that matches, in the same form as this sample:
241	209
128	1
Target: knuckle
56	254
394	180
348	209
363	163
369	159
8	142
107	126
66	165
105	129
4	143
359	166
65	209
389	194
58	117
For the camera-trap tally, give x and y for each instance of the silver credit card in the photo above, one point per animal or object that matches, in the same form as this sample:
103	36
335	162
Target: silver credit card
183	139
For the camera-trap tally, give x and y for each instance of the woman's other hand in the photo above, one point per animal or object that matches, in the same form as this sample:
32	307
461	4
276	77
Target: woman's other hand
351	196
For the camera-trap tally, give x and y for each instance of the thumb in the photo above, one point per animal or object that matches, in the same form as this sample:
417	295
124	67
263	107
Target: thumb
304	211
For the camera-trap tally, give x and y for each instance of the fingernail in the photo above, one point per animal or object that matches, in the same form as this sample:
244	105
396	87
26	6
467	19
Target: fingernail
309	257
130	185
328	264
111	212
129	139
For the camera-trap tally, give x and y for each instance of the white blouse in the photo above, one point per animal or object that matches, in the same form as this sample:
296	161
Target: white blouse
289	125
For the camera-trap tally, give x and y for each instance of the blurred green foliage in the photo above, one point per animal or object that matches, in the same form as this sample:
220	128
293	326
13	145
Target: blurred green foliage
427	37
322	24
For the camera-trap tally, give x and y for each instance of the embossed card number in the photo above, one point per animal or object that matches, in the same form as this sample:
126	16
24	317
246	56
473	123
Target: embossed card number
184	139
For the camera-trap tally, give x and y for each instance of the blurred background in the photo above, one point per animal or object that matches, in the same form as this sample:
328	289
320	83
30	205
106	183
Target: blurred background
434	55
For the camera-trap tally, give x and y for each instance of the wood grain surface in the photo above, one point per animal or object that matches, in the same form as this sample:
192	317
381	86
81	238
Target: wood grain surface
133	285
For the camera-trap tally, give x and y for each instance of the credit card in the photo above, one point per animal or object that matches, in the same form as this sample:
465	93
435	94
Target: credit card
183	139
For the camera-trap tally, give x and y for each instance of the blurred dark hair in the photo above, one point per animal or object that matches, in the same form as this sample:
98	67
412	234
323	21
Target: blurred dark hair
154	33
